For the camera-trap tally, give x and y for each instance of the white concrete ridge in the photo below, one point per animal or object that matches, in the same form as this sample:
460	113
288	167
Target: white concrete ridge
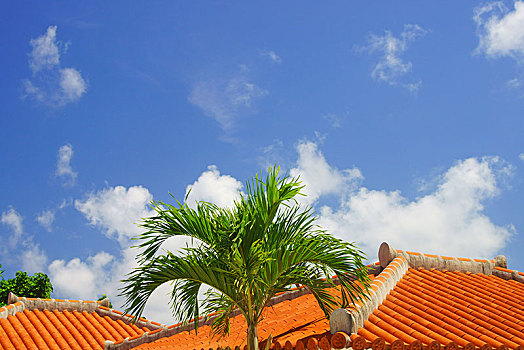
349	321
386	254
57	304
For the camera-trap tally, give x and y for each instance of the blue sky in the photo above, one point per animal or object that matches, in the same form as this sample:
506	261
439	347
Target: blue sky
404	120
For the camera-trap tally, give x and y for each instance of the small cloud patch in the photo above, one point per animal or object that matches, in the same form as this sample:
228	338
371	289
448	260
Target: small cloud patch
51	84
392	67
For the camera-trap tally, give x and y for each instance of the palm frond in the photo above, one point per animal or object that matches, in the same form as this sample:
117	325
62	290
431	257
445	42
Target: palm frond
264	244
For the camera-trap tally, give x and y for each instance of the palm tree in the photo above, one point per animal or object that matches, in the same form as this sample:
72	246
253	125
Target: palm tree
265	244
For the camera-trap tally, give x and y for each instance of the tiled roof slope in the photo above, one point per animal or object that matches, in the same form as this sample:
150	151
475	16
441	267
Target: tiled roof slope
453	309
431	307
416	302
29	323
292	319
287	321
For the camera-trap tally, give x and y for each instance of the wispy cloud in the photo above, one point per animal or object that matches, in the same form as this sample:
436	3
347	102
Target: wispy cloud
225	100
392	67
513	83
45	54
46	219
63	165
21	246
333	119
272	55
500	30
33	258
51	84
12	219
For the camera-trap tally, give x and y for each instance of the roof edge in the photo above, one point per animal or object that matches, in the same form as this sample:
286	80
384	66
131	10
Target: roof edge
11	309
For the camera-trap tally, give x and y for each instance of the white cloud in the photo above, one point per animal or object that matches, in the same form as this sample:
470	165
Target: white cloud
45	52
212	187
521	156
117	210
319	177
14	220
448	221
51	84
226	100
46	219
391	68
101	274
500	30
114	210
33	258
63	165
78	279
272	56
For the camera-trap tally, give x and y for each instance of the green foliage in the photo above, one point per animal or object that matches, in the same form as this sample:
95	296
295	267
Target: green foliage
265	244
36	286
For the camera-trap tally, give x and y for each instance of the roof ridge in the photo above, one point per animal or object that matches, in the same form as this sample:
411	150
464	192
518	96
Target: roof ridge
118	315
350	321
508	274
386	254
56	304
496	266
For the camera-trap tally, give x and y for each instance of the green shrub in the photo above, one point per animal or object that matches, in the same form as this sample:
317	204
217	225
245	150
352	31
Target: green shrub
36	286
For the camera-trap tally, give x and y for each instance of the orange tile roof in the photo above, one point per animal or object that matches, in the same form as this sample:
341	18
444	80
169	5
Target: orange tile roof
453	309
287	321
31	323
417	302
293	319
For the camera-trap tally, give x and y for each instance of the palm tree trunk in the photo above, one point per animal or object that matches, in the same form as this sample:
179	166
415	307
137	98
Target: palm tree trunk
252	337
